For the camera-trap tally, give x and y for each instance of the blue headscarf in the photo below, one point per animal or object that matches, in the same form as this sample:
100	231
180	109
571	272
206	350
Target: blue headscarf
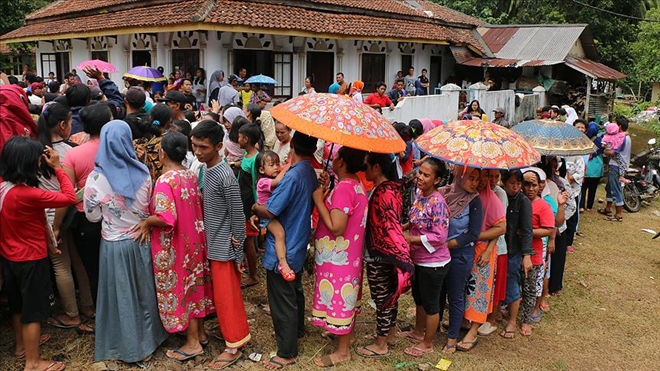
334	88
592	133
116	160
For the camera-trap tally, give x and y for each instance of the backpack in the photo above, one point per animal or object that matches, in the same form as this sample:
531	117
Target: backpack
15	119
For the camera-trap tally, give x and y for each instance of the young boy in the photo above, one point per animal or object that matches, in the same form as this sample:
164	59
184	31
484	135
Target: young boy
224	225
245	95
248	137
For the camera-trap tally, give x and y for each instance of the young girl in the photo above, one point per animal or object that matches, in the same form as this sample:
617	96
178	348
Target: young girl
25	238
270	176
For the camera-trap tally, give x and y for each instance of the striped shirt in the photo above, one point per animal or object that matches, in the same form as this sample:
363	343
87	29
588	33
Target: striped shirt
223	214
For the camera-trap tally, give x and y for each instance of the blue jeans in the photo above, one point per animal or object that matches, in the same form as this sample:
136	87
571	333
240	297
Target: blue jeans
613	187
513	278
462	261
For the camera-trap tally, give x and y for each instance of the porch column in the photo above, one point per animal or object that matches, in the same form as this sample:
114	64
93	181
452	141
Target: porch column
477	91
540	90
588	99
340	57
454	92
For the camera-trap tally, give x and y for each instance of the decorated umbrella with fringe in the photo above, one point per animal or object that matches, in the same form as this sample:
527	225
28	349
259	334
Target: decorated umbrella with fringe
555	138
478	144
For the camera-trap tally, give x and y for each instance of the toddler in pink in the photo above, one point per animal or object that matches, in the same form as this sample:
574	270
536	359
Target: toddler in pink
270	175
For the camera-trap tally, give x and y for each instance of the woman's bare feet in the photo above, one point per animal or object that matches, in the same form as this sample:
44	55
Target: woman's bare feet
45	365
450	347
526	330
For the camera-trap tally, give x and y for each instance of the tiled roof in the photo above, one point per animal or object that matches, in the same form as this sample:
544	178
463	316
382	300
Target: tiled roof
158	15
60	7
335	18
295	18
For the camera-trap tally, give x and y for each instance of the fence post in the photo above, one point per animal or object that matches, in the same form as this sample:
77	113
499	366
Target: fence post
454	92
540	90
476	91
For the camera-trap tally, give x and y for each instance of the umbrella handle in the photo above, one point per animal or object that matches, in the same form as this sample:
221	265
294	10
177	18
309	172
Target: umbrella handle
327	165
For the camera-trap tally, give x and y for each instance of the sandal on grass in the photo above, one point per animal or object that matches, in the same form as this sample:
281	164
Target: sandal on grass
614	218
449	349
185	356
605	212
326	361
418	352
508	334
273	364
227	362
466	346
365	352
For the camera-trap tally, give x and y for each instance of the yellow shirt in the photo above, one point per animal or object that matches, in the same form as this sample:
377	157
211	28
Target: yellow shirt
245	96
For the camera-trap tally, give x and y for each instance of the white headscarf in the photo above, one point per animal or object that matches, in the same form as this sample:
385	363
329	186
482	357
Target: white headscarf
571	115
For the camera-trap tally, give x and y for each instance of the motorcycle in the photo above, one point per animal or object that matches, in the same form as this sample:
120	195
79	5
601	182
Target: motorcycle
641	186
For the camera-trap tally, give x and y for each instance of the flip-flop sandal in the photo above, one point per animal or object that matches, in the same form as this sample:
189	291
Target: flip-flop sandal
449	349
326	361
247	285
535	318
56	322
416	352
373	337
604	212
51	367
408	335
280	365
368	353
526	332
486	329
614	218
186	356
470	345
86	328
228	362
508	334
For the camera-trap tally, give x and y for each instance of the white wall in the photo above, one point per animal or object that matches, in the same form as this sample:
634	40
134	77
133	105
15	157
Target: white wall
440	107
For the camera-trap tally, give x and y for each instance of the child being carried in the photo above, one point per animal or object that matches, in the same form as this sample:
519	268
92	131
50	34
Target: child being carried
270	175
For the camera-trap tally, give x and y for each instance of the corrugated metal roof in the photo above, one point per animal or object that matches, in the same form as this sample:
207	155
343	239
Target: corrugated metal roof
496	38
499	63
594	69
537	43
461	54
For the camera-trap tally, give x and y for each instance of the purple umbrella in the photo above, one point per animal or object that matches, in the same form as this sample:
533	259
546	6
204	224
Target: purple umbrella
144	73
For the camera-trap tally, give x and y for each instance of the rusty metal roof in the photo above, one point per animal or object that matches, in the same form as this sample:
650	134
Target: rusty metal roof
500	62
496	38
594	69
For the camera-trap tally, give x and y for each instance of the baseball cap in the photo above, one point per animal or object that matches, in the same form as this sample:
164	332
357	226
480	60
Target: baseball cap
233	77
97	93
174	96
500	110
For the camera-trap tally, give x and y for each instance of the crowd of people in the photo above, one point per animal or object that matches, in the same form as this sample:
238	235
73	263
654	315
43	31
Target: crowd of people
156	209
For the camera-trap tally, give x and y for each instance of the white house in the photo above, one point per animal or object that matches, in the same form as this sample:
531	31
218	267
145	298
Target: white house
289	39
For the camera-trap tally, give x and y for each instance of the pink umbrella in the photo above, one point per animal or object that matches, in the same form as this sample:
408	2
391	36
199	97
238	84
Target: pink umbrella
102	66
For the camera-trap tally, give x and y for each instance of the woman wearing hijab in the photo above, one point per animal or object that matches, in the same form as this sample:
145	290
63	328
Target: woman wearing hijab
465	223
571	115
594	170
117	193
356	91
479	294
216	81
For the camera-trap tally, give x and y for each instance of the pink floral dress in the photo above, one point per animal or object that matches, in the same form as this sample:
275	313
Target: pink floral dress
338	284
181	270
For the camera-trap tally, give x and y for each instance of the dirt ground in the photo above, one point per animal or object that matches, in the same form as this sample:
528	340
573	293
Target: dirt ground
604	320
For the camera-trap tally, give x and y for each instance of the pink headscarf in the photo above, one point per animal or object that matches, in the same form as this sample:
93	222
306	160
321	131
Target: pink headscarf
427	124
456	197
492	207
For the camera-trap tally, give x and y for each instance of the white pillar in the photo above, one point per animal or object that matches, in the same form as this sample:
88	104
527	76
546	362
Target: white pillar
454	92
540	90
477	90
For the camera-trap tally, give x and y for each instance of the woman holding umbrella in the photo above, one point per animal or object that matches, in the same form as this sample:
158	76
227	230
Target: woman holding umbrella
339	239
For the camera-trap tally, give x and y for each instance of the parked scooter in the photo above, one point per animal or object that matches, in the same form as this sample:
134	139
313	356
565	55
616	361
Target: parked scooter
640	187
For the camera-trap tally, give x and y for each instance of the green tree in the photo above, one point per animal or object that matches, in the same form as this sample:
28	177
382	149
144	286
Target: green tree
15	11
645	51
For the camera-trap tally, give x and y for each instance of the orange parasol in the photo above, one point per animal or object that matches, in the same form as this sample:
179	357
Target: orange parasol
341	120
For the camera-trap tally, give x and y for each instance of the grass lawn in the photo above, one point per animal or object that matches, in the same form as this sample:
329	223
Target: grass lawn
603	320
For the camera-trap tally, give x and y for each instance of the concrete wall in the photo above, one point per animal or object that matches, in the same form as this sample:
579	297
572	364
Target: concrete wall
440	107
